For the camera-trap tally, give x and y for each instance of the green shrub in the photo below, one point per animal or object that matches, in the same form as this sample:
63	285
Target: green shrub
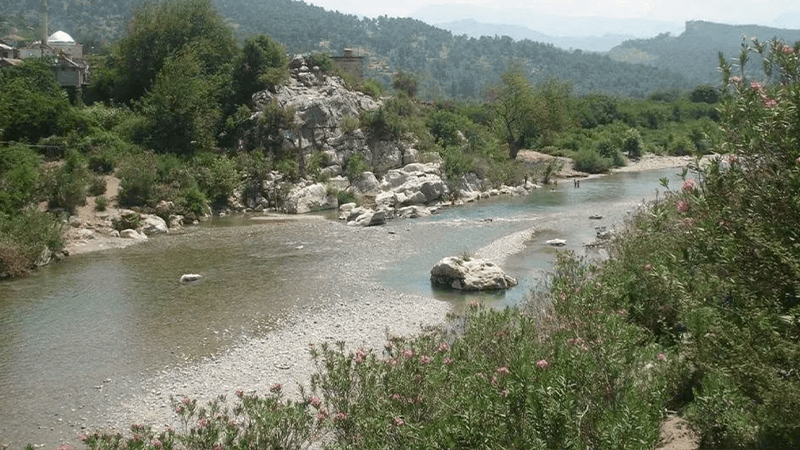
19	176
323	61
139	181
356	165
349	124
632	144
588	160
193	201
682	146
97	186
67	185
100	203
347	197
371	88
102	162
217	176
23	238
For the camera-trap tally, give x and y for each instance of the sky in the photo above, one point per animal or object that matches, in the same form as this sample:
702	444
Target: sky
721	11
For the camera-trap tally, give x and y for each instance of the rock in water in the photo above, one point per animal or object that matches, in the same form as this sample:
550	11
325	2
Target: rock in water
470	274
189	277
557	242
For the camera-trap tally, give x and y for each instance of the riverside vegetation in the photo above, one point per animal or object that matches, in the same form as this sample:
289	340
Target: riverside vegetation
697	311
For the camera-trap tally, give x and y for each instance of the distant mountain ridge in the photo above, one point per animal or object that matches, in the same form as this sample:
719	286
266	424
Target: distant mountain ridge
694	53
447	66
549	25
475	29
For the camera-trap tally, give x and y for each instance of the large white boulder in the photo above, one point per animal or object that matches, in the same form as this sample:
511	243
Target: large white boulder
310	198
470	274
152	224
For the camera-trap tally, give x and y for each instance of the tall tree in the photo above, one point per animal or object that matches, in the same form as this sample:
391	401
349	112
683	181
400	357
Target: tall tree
261	64
32	104
515	106
182	111
160	30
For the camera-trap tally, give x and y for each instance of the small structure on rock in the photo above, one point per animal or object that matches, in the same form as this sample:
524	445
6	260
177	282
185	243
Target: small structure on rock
470	274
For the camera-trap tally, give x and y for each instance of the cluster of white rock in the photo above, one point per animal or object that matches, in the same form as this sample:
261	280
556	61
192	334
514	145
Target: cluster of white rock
403	186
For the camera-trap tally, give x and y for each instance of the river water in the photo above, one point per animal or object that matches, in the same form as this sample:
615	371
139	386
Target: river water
77	336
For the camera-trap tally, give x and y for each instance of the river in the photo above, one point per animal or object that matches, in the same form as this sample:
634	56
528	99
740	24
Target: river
78	337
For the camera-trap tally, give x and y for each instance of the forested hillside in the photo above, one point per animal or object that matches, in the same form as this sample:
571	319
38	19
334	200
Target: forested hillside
446	65
695	53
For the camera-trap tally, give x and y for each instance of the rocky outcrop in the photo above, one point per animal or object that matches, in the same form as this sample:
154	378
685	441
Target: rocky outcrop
321	105
316	197
414	184
470	274
324	137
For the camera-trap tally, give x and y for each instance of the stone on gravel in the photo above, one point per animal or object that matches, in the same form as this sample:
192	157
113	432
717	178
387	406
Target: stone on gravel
470	274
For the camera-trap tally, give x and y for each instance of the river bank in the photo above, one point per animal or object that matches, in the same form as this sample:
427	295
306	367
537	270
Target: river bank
357	309
329	273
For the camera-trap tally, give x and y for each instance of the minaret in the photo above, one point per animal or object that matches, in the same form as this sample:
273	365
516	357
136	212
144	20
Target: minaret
45	26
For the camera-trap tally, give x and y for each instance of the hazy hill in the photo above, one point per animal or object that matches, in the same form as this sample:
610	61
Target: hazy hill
549	25
475	29
694	53
447	65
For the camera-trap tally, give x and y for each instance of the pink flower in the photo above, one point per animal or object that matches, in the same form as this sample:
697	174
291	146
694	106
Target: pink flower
340	416
275	388
398	422
323	413
202	422
157	443
788	50
186	401
239	393
443	347
179	410
756	86
397	397
770	102
542	364
734	81
388	345
448	361
66	447
683	207
503	370
315	401
689	185
662	357
83	438
424	359
408	354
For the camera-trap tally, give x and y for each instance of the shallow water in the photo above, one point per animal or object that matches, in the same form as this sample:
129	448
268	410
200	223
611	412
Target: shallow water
77	336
